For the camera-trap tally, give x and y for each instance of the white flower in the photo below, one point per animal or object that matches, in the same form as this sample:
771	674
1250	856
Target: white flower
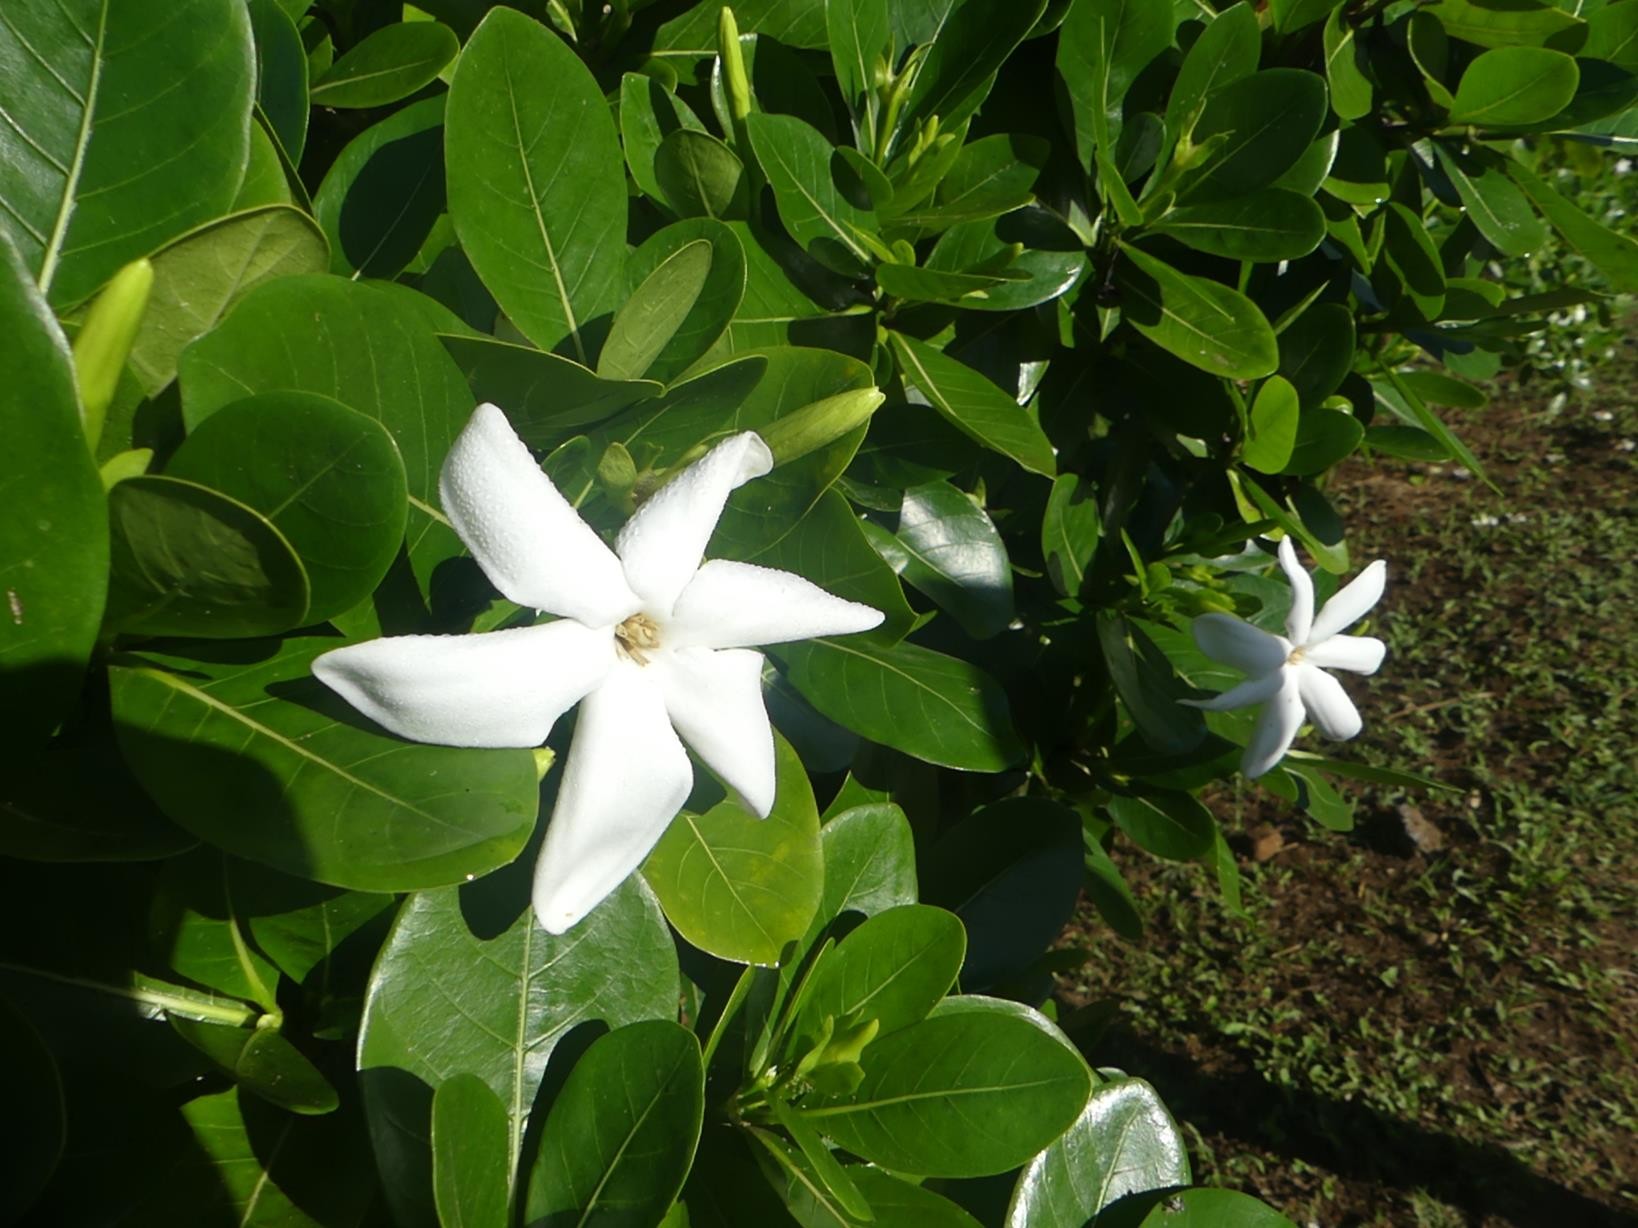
1287	672
655	642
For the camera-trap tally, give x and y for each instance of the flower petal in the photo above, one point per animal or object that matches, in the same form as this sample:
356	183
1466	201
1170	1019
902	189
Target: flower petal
1301	618
1362	654
502	688
1351	603
530	543
663	543
626	778
733	605
1251	691
1276	728
715	702
1222	637
1328	704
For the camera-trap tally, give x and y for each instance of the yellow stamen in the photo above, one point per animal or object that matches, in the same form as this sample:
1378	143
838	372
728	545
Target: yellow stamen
637	635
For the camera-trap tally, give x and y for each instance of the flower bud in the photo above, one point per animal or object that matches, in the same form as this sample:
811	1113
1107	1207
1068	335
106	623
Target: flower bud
813	426
733	66
104	342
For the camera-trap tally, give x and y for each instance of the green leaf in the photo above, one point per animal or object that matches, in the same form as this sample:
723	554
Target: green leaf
699	176
537	183
517	992
650	318
1500	211
1053	259
297	923
1419	414
1110	895
264	1063
957	69
798	162
201	276
1147	686
1206	324
390	64
385	191
1331	555
954	554
1515	85
1317	351
941	710
1292	15
796	25
990	176
1226	50
857	32
281	75
328	478
1510	23
1070	531
1171	825
1265	123
1351	89
737	886
34	1093
110	159
1320	798
719	297
1613	255
243	747
1270	225
1102	46
620	1136
896	1203
1205	1208
893	968
54	560
1273	421
926	1084
185	560
1324	437
648	114
194	923
1124	1142
471	1176
974	405
1612	34
934	285
870	861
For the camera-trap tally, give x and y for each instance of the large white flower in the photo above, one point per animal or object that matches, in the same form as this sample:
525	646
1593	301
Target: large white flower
1287	672
653	641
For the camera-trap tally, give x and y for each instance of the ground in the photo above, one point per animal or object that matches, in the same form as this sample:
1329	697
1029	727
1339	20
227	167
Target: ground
1433	1020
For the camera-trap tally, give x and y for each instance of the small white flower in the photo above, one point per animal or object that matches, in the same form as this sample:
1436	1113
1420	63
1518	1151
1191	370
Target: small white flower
1287	672
655	642
1484	520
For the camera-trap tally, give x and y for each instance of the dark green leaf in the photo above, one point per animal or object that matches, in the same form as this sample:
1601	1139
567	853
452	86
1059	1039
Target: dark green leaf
1611	254
699	176
893	968
719	298
34	1095
1206	324
1147	686
1500	211
382	195
870	861
263	1062
974	405
545	395
1324	437
390	64
648	114
1171	825
1265	123
1291	15
1514	85
954	555
1351	89
798	162
1269	225
657	308
1053	259
955	72
1317	351
857	32
281	75
471	1175
1612	35
1204	1208
1070	531
1102	46
1510	23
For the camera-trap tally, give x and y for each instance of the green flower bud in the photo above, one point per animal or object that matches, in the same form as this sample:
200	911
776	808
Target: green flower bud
813	426
104	342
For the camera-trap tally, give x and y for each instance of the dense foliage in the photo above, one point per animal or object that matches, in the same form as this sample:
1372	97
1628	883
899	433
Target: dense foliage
1132	277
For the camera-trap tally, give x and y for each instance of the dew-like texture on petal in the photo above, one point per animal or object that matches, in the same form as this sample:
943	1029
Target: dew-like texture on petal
1351	603
736	605
1251	691
1233	641
1328	704
663	543
1359	654
1299	622
1276	728
715	702
626	778
502	688
530	543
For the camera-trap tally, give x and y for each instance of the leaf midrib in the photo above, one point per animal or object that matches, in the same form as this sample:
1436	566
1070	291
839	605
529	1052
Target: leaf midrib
82	142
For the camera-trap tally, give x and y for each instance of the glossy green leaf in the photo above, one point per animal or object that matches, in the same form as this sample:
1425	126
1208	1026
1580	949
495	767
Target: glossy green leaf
267	178
1291	15
507	994
1270	225
1612	34
1510	23
798	162
390	64
185	560
35	1096
1053	259
1226	50
545	395
537	183
1317	351
648	114
1613	255
1273	426
471	1175
870	861
1324	437
934	285
779	82
775	310
281	74
1102	47
990	176
620	1136
1258	127
110	159
195	926
857	31
1110	895
1351	90
893	968
956	70
1514	85
1205	1208
1204	323
925	1085
1070	531
737	886
953	553
264	1063
298	924
896	1203
657	308
973	404
699	176
796	25
1147	686
1171	825
1332	555
936	708
243	747
1417	412
327	477
385	191
53	561
1500	211
1124	1142
719	297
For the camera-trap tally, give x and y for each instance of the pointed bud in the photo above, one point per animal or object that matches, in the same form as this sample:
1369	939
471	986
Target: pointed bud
813	426
104	342
733	66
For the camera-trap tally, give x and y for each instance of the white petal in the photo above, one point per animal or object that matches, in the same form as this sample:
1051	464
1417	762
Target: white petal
715	702
626	778
530	543
1251	691
733	605
1351	603
1328	704
1222	637
1361	654
663	543
1301	618
1276	728
502	688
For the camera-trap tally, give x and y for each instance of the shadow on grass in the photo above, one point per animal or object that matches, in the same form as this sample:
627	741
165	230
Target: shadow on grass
1357	1142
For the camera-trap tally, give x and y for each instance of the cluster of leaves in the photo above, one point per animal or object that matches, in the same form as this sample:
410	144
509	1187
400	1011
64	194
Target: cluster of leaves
1124	326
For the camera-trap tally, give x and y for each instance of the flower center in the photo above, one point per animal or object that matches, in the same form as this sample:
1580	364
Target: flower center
1295	658
636	636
